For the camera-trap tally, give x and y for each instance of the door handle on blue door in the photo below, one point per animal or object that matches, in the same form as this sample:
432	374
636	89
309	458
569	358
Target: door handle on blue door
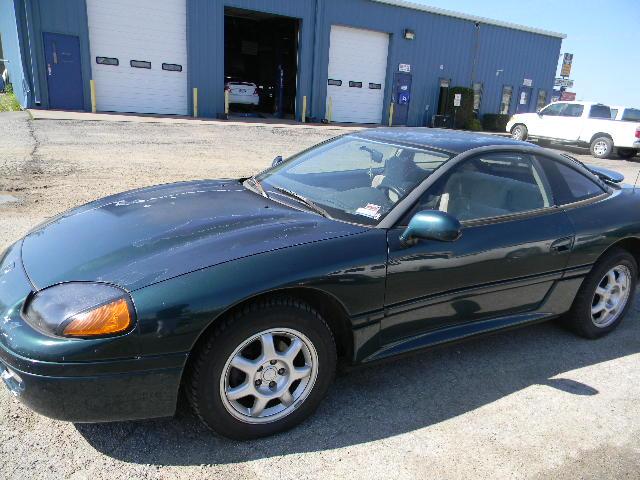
562	244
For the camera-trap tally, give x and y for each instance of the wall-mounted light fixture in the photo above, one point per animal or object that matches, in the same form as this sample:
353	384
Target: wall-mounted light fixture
498	72
409	34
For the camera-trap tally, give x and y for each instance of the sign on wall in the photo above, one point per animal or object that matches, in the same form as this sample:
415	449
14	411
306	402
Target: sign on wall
568	96
563	82
404	67
566	65
457	99
527	82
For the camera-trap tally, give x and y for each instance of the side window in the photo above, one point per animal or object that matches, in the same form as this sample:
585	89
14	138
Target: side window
631	115
568	184
600	111
553	110
573	110
489	185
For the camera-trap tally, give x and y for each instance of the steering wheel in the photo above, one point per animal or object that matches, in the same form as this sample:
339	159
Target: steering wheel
389	190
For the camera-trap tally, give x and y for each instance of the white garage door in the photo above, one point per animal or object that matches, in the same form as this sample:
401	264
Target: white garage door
357	72
151	35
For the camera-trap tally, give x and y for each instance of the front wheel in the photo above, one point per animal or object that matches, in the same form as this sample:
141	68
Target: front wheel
627	152
519	132
601	147
264	370
605	295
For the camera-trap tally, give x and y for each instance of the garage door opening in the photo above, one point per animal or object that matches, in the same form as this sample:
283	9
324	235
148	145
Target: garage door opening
261	63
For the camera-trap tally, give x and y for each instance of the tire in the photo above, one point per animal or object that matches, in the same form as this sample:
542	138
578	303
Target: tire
627	152
581	318
543	142
519	132
601	147
213	383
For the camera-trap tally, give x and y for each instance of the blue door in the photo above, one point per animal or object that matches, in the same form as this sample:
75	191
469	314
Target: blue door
524	99
64	75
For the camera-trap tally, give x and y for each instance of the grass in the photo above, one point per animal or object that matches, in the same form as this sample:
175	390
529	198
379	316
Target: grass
9	103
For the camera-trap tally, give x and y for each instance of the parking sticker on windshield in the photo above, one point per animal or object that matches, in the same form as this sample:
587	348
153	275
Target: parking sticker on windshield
370	211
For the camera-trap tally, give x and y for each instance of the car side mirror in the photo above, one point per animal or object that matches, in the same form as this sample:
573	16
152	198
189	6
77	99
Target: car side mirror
432	225
277	160
539	112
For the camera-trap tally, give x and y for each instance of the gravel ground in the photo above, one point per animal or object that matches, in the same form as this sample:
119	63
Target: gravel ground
536	403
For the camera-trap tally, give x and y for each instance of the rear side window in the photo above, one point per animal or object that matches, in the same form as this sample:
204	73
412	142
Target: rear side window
600	111
568	184
631	115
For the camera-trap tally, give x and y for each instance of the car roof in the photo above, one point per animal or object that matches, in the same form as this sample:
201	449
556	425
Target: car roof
453	141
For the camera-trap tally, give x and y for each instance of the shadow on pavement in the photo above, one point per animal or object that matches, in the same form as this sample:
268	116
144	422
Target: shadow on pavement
387	399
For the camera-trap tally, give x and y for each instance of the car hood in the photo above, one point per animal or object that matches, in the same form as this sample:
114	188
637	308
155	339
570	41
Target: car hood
146	236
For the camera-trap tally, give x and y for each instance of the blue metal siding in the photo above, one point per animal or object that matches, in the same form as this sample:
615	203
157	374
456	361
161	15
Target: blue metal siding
440	41
11	46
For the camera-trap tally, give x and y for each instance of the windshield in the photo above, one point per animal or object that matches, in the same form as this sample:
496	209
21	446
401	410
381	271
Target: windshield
352	178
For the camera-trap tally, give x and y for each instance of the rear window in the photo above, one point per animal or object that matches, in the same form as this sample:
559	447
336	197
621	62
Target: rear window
600	111
631	115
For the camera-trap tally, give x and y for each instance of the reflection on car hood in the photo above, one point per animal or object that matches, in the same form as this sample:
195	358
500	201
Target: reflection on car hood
145	236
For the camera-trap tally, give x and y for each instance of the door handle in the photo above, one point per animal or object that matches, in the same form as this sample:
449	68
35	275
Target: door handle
562	245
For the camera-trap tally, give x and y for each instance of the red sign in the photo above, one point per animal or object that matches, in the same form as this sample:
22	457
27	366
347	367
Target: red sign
567	96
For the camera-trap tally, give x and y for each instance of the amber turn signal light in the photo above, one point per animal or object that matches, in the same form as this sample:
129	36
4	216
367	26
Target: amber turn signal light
108	319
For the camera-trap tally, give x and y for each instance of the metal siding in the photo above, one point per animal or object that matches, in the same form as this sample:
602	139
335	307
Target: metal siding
205	46
440	40
68	17
11	44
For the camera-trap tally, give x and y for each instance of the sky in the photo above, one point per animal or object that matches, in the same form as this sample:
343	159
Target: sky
602	35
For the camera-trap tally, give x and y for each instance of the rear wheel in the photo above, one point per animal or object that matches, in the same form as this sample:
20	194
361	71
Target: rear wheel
627	152
264	370
601	147
519	132
605	295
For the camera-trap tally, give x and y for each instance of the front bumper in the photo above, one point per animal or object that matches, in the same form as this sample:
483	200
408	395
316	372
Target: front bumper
141	388
94	380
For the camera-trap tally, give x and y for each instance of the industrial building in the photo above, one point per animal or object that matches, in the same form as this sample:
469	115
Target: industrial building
347	59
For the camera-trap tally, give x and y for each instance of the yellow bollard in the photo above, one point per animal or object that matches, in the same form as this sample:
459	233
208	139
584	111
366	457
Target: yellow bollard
304	109
195	102
226	102
330	110
92	85
391	115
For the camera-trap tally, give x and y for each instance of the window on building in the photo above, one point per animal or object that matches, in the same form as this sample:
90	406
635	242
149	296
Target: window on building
140	64
542	99
375	86
572	110
335	83
355	84
600	111
172	67
107	61
477	95
505	102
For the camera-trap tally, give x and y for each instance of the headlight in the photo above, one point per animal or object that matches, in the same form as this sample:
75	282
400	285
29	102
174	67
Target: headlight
82	310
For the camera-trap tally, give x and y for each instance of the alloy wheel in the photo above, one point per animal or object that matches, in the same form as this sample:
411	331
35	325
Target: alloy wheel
611	296
269	375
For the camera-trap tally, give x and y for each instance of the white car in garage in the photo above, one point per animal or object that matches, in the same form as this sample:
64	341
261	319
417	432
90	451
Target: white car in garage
243	93
578	123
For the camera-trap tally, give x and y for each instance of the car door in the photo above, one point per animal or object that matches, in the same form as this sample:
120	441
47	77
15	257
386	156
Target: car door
514	245
548	121
570	121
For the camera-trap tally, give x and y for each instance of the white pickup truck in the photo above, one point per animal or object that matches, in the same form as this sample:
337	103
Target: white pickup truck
578	123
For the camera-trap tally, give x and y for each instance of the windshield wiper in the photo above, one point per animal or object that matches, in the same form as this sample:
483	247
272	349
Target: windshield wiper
258	186
304	200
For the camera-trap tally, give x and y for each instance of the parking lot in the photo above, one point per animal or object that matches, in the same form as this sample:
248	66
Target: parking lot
532	403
